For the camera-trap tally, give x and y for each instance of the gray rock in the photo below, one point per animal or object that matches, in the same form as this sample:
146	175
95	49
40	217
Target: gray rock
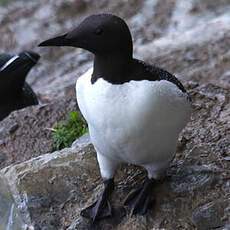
209	216
82	141
26	133
50	187
189	38
10	218
3	157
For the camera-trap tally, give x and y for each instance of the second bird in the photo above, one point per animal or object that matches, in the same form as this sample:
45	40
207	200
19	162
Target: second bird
15	93
135	111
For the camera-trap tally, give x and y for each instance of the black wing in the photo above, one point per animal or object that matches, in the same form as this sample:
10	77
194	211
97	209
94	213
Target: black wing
144	71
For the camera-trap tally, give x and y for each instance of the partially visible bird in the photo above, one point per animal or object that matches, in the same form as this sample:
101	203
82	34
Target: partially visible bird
15	93
135	111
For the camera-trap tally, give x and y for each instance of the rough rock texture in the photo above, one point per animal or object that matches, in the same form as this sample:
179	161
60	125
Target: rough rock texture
10	218
26	133
189	38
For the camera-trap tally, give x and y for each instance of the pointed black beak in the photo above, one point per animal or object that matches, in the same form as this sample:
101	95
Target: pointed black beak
78	38
57	41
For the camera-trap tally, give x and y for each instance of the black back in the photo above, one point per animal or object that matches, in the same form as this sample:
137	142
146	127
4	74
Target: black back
141	70
137	70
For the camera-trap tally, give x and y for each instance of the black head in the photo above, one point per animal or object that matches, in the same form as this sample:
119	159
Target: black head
101	34
13	71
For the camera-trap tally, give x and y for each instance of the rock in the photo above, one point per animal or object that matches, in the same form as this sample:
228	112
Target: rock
190	39
209	216
26	133
82	141
50	187
192	178
2	157
9	216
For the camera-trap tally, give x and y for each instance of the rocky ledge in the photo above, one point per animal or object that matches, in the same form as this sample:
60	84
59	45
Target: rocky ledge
41	189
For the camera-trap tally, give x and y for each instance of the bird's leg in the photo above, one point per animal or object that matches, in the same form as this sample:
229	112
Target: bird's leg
101	208
139	200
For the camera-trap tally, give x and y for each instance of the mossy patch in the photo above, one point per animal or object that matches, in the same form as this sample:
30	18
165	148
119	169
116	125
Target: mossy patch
4	2
64	133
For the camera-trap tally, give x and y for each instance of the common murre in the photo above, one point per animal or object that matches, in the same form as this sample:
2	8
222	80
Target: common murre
15	93
134	111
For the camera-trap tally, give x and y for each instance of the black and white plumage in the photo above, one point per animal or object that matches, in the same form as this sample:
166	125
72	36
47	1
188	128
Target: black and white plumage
134	111
15	93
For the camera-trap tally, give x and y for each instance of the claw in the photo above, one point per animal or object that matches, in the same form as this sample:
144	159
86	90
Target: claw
101	208
139	200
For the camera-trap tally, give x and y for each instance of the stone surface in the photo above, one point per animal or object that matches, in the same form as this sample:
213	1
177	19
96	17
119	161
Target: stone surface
26	133
50	187
189	38
209	215
9	216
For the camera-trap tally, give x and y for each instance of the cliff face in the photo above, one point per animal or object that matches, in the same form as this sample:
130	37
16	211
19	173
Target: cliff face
188	38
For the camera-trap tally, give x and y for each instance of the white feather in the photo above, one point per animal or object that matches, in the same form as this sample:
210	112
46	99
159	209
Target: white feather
136	122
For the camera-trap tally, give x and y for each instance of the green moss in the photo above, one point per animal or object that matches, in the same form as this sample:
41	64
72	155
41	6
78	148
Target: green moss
66	132
4	2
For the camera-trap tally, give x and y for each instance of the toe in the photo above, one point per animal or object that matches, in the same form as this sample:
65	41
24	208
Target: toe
96	211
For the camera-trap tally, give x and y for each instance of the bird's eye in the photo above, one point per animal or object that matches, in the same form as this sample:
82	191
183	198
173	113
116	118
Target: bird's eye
98	31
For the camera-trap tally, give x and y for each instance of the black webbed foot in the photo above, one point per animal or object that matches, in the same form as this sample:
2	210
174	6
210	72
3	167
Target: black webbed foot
101	208
139	200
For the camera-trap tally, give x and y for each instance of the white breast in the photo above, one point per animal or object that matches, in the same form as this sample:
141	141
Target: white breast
136	122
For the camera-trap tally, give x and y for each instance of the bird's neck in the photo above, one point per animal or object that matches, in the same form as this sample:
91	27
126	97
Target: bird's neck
112	68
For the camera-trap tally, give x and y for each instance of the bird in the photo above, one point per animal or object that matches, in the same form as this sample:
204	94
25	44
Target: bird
135	111
15	93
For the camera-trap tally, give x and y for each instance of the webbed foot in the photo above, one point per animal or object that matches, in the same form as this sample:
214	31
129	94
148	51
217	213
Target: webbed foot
101	208
139	200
